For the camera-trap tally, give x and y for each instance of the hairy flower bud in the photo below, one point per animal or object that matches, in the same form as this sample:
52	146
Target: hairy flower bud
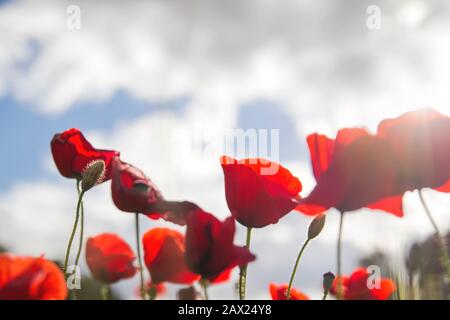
316	226
93	174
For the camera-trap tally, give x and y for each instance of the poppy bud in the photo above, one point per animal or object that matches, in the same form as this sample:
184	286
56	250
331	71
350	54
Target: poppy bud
188	293
93	174
316	226
328	279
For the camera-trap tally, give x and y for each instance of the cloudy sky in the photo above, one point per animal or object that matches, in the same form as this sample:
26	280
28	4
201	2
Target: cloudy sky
157	79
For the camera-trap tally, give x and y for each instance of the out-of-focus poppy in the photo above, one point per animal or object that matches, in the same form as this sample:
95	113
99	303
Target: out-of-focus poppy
164	256
209	245
109	258
259	192
28	278
361	170
278	292
72	153
358	286
421	140
133	191
353	171
154	290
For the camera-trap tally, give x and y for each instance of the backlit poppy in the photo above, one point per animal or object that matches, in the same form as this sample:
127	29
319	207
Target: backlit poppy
28	278
72	153
209	245
109	258
164	256
359	286
353	171
259	192
421	139
361	170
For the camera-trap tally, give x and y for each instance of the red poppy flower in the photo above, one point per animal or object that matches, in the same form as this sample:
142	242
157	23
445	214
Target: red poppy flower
353	171
27	278
133	191
421	139
72	153
362	170
164	257
209	245
259	192
357	287
109	258
278	292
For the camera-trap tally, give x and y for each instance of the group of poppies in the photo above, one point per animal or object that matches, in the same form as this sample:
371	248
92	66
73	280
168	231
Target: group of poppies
357	169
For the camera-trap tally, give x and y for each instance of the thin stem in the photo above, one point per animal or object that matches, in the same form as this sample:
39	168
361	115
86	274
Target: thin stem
74	229
152	291
138	246
105	292
325	295
339	258
80	245
205	289
443	247
428	212
288	293
243	273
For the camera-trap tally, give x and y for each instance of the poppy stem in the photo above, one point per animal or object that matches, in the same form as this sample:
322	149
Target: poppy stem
442	243
80	246
339	258
141	270
243	273
105	292
288	293
72	235
204	284
152	292
325	295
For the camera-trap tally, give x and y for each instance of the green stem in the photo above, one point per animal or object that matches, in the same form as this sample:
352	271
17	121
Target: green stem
152	292
288	293
205	289
105	292
138	246
243	273
325	295
443	247
80	245
339	259
74	229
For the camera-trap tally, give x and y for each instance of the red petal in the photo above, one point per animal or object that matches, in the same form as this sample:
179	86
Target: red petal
254	198
164	257
109	258
279	293
25	278
392	205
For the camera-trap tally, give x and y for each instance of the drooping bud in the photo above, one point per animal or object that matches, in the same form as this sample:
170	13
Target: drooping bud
316	226
93	174
189	293
328	279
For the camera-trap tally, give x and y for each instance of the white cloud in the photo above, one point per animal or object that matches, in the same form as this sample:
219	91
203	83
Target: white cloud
318	59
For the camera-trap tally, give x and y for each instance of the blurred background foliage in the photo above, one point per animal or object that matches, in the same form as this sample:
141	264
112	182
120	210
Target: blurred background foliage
421	276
